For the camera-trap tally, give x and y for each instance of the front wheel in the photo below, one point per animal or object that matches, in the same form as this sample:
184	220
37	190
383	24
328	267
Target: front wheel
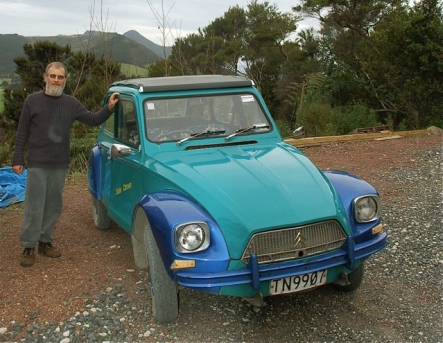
100	214
163	289
355	279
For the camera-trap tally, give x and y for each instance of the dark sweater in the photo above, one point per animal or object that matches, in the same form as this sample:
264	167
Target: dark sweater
45	124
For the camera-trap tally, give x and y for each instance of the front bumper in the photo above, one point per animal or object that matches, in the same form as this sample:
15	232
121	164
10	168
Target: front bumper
253	279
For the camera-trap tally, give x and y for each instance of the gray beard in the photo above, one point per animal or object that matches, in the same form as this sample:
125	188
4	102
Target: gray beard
54	91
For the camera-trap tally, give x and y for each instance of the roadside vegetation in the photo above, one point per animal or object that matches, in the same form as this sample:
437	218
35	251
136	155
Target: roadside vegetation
2	107
369	63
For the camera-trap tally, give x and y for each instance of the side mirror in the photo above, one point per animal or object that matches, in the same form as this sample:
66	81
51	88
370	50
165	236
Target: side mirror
120	150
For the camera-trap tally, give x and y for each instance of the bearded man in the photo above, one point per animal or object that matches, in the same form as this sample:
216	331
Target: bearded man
45	127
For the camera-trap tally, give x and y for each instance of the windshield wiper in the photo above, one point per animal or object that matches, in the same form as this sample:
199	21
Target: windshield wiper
246	129
205	132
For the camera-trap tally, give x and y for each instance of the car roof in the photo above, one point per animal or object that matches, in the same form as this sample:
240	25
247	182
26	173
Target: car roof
171	83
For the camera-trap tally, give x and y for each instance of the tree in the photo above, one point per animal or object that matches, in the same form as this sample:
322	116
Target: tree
379	53
165	28
407	77
215	49
267	48
184	55
302	66
226	36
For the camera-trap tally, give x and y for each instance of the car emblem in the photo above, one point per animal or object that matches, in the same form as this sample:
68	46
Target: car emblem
299	242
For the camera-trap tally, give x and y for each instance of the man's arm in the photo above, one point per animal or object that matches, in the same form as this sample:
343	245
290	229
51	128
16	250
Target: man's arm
18	158
93	119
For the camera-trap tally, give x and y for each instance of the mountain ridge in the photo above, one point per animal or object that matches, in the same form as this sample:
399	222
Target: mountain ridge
130	48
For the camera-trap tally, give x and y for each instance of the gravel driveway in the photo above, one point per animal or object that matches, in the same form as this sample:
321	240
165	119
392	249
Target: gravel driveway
400	299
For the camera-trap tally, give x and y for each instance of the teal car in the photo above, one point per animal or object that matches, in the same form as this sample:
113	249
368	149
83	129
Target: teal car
196	171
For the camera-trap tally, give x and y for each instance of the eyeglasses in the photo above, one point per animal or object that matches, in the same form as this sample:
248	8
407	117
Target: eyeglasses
58	77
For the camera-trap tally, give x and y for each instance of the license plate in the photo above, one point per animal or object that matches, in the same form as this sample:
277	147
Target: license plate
297	283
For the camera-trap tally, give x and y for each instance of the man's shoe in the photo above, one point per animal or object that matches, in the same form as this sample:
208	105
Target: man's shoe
28	257
48	249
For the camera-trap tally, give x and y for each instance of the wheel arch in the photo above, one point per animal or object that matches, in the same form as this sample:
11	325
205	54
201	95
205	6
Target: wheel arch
139	222
348	187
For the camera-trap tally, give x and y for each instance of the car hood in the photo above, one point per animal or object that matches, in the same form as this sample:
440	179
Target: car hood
248	189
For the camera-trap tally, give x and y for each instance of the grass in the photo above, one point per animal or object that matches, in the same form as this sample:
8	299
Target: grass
132	70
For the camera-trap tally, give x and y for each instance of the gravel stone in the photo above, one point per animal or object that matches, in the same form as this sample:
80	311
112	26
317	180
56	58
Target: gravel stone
400	300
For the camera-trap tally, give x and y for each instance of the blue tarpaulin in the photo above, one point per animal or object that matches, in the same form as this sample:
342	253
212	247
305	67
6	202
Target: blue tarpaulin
12	186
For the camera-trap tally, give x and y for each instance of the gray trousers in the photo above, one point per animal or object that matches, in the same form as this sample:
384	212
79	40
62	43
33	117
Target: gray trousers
43	205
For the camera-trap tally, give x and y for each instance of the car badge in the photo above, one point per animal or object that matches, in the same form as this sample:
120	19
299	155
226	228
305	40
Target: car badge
299	241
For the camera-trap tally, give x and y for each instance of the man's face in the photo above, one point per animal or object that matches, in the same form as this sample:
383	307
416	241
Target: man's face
55	81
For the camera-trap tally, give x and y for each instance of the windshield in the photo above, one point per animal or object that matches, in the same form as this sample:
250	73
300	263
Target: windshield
184	119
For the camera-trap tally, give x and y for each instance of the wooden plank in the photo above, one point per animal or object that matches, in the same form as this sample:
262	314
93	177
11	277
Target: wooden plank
313	141
389	137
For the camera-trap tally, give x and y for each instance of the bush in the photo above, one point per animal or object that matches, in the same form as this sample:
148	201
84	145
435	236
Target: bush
317	119
349	118
284	128
80	148
6	146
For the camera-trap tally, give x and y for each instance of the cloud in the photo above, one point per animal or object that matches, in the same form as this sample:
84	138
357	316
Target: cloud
46	18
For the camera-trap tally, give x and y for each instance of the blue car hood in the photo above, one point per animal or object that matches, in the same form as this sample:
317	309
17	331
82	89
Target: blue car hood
250	189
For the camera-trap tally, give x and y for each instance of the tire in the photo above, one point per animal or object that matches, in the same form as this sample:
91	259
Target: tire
355	279
100	214
164	294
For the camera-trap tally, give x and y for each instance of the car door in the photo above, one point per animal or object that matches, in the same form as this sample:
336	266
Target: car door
122	173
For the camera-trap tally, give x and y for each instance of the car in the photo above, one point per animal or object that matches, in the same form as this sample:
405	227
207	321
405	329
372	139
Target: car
195	169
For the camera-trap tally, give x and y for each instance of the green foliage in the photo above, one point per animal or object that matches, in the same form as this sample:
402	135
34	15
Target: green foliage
265	48
349	118
6	146
157	69
284	128
80	148
408	75
384	54
13	102
317	118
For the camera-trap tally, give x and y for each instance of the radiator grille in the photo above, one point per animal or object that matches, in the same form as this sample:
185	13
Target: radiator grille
298	242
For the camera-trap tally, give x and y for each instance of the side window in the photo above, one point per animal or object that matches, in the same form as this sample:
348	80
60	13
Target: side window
109	124
127	126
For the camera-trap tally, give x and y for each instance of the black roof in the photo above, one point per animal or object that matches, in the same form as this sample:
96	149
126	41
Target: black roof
170	83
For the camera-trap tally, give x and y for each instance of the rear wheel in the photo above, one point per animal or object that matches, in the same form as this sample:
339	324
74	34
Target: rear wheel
163	289
100	214
355	279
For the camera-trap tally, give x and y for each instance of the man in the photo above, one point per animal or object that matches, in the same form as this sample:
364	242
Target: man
45	126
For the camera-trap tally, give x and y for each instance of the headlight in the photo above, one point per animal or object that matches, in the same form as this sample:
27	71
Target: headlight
192	237
367	208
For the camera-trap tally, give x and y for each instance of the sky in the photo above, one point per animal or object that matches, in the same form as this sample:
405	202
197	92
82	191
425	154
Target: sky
51	18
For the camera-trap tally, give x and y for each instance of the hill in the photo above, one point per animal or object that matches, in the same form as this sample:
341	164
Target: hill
12	45
129	48
157	49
